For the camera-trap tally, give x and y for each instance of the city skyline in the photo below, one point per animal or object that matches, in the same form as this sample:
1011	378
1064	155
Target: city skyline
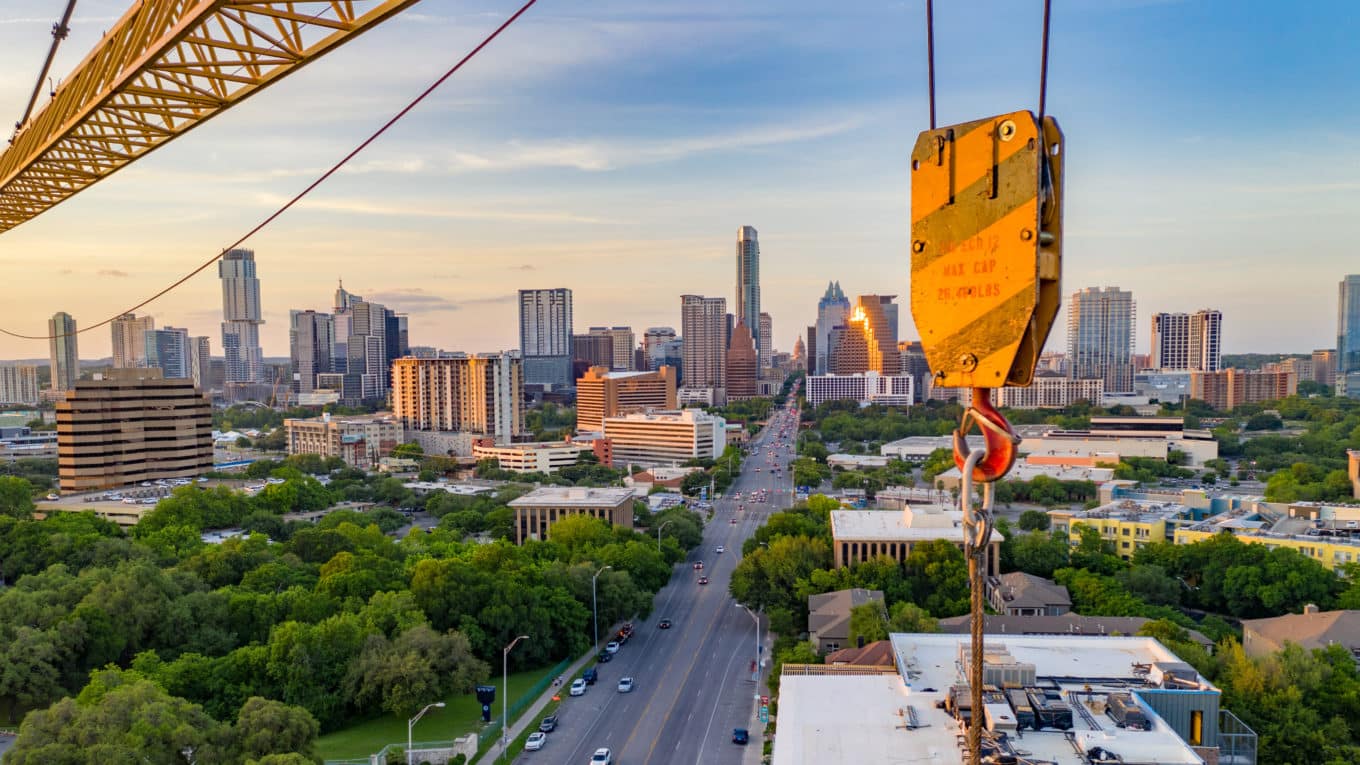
816	173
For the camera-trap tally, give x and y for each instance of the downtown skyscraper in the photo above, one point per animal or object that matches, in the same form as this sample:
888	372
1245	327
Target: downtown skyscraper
64	351
748	285
545	336
129	345
1100	337
168	350
310	344
833	310
241	317
1188	341
703	325
1348	337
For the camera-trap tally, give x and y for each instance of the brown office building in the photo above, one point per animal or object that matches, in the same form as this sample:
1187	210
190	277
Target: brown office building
742	364
868	340
132	426
601	394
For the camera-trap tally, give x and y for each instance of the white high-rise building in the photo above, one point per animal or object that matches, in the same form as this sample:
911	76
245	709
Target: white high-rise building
703	324
764	342
19	385
748	283
545	328
621	343
1347	370
665	437
129	345
200	362
1187	341
654	346
241	317
1100	334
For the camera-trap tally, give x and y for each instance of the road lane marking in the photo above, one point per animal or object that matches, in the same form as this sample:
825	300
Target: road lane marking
727	673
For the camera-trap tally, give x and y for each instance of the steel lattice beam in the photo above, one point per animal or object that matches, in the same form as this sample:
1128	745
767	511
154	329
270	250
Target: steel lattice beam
166	66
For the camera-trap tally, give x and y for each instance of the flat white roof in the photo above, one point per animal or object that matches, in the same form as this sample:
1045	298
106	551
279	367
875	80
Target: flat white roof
933	522
574	496
894	718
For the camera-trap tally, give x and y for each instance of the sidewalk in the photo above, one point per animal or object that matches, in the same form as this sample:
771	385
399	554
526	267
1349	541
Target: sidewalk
530	715
755	750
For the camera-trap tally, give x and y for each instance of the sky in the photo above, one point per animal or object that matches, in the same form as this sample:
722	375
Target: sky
616	146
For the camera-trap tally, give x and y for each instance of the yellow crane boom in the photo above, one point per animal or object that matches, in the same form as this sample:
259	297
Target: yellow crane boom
164	67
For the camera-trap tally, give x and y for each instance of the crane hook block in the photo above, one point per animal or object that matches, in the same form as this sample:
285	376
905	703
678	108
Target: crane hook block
986	247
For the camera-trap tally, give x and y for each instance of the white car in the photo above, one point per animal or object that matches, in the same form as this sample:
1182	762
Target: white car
721	549
536	741
625	685
602	756
612	646
578	687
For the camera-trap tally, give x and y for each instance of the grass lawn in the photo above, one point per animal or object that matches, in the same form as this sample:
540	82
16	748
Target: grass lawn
462	715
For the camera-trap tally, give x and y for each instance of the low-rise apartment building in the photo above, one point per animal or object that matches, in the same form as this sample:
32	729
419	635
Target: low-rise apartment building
537	457
665	437
1128	524
860	535
863	387
537	511
361	441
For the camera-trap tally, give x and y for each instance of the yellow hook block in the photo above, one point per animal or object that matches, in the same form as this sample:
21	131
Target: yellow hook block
986	247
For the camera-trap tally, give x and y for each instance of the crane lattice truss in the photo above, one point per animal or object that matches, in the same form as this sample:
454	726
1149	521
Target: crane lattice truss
166	66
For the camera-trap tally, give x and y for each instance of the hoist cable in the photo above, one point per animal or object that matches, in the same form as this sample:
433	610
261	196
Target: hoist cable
930	56
59	32
301	194
1043	65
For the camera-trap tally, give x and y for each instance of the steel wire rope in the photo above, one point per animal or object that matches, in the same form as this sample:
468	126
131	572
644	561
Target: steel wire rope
301	194
59	32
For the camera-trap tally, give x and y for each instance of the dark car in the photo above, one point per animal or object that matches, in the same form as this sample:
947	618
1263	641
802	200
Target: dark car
740	736
604	657
549	724
699	566
703	580
664	624
590	676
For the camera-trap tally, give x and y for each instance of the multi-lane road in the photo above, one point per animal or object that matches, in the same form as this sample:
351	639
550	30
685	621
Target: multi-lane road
693	682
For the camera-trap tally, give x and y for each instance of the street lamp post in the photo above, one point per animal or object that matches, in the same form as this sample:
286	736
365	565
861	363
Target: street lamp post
411	726
658	533
755	619
595	603
505	693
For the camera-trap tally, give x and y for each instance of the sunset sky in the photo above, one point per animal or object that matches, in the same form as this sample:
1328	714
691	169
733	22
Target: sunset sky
615	147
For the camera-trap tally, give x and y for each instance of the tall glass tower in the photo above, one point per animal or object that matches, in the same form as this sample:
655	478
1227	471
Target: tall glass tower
1348	337
748	283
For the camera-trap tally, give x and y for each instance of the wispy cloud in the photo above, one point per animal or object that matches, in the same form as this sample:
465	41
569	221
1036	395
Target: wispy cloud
113	273
413	297
525	267
596	156
363	207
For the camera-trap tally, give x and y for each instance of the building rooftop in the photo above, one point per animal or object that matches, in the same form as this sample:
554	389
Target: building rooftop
876	654
1024	471
916	522
829	612
1021	590
1133	510
1317	629
574	496
1064	624
903	718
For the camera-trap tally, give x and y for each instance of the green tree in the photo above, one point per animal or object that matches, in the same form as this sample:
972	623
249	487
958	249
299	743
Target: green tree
404	674
1151	583
1040	554
16	497
119	717
906	616
868	622
1034	520
266	727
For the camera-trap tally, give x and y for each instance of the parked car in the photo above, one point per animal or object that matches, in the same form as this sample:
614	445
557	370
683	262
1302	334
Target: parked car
612	646
664	624
740	736
602	756
578	687
604	657
625	685
590	676
536	741
549	724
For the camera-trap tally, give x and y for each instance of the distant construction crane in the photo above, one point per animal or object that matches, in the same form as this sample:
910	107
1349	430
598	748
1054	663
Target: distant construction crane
164	67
